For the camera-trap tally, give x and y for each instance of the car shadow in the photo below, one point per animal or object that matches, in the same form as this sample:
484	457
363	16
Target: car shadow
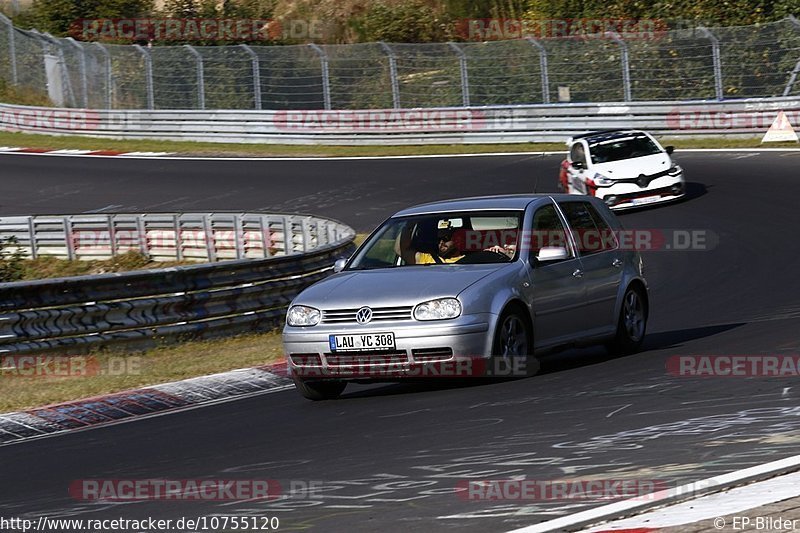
694	190
560	361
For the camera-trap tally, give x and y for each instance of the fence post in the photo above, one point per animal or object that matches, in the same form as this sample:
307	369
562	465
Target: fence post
201	85
462	60
148	75
792	79
626	65
326	79
543	69
256	75
392	74
715	56
104	50
12	50
84	78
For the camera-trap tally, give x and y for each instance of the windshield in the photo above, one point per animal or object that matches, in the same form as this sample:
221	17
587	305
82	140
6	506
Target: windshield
443	239
637	145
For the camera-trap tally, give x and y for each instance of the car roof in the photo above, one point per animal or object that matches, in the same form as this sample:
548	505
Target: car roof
604	135
478	203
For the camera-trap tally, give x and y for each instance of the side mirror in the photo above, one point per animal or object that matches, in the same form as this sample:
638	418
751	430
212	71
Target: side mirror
578	165
338	266
669	149
552	253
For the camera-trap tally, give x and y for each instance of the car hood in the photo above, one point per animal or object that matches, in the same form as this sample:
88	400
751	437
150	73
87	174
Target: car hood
633	168
388	287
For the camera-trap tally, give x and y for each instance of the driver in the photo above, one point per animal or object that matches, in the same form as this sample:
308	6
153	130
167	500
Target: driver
446	250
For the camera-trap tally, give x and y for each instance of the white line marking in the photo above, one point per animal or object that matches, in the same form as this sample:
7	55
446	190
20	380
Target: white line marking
684	492
725	503
612	413
69	152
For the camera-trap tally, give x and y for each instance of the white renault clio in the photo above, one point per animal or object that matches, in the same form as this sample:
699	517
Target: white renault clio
624	168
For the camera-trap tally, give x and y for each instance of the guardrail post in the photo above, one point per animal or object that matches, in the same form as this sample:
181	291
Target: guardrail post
392	74
201	84
112	235
626	65
326	78
32	233
107	56
462	61
256	75
141	229
67	221
716	58
288	238
211	249
266	239
84	78
12	50
148	75
543	68
178	237
238	228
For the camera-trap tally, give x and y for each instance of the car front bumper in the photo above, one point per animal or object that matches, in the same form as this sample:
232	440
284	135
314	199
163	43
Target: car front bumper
629	195
448	348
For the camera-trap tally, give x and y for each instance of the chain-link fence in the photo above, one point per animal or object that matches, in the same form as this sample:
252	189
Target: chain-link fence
702	63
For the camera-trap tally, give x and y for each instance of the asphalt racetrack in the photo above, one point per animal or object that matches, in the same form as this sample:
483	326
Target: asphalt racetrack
389	457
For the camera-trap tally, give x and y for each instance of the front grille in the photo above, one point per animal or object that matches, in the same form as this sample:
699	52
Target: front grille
432	355
647	178
367	358
379	314
643	194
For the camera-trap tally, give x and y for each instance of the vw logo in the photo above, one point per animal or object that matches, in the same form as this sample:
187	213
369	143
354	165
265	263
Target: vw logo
364	315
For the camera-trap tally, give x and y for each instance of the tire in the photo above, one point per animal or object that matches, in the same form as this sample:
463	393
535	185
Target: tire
319	390
513	340
632	323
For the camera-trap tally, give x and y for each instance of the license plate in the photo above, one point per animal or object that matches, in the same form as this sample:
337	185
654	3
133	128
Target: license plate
361	342
645	200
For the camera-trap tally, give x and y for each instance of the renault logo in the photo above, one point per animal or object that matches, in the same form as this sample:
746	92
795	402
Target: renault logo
364	315
643	181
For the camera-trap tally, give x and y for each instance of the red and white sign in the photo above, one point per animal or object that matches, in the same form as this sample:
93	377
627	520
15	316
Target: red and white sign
780	131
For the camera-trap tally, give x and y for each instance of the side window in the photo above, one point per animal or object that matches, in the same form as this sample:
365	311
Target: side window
590	231
547	230
577	153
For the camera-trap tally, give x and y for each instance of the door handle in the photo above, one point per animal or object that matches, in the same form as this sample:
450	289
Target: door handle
617	263
578	273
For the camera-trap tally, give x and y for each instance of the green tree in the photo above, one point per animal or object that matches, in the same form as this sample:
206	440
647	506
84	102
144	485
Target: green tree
58	16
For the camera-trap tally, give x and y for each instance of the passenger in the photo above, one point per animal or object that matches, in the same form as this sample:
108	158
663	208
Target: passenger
446	249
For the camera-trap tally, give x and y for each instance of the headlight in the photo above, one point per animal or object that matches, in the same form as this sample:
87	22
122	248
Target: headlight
438	309
300	315
602	181
675	170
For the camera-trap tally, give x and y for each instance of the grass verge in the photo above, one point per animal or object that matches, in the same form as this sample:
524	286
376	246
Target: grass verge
102	373
281	150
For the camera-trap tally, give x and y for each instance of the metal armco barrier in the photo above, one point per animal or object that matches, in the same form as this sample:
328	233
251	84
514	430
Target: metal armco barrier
140	309
170	236
534	123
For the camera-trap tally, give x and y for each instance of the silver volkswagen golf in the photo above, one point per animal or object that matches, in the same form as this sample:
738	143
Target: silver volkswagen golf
475	286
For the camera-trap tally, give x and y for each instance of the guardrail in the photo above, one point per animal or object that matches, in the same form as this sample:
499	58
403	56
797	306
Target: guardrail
142	308
534	123
169	236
